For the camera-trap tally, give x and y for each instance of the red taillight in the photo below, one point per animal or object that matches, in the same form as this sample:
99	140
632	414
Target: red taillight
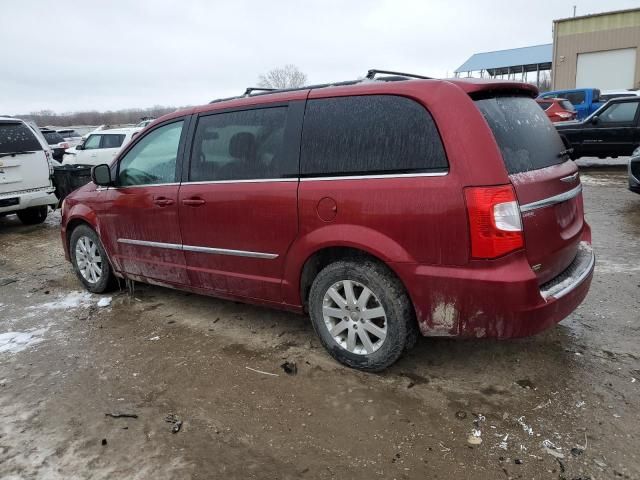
494	221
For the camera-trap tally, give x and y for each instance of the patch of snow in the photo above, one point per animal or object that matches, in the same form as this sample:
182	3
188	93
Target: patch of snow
14	342
72	300
153	339
104	302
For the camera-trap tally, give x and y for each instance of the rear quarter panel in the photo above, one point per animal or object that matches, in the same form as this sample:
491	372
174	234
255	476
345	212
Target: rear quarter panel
420	220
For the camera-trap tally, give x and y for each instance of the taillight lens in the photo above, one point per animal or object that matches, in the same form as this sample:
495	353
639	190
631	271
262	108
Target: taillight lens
49	164
564	114
494	221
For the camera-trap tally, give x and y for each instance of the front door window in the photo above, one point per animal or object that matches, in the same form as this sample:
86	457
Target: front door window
152	160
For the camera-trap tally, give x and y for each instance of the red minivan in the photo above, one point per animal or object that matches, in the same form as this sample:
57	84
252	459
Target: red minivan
383	209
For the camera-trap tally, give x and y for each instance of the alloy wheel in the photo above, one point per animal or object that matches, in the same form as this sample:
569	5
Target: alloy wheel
354	317
88	259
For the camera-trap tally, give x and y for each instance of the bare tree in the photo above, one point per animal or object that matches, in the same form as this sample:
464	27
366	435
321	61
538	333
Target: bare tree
288	76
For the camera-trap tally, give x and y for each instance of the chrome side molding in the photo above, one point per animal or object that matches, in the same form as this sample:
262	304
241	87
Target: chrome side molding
197	249
547	202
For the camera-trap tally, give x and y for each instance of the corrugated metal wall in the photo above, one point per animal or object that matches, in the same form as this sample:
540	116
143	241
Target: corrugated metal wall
592	34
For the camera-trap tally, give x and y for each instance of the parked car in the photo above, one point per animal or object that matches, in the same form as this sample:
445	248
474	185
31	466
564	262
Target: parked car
71	136
56	142
585	100
25	172
609	94
557	109
612	131
374	215
634	171
100	147
145	122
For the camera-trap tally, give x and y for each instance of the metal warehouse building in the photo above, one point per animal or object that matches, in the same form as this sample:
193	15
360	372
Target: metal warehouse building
600	50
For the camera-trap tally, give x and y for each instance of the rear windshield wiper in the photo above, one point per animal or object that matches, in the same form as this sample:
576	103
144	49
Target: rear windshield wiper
13	154
566	151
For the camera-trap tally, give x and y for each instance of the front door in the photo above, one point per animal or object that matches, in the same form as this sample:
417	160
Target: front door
238	208
141	212
615	131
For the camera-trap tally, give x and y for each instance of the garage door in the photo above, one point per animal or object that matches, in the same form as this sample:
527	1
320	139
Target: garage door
608	70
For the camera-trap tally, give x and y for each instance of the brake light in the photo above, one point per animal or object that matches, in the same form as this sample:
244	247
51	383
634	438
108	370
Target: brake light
494	221
49	164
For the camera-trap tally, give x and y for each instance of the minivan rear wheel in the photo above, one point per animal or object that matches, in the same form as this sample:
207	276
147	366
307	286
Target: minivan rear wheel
90	261
33	215
362	314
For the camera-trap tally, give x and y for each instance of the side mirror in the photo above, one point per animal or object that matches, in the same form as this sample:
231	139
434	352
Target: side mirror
101	175
595	120
79	147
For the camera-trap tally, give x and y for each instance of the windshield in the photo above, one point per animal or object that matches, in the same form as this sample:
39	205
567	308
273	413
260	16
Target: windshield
17	137
526	137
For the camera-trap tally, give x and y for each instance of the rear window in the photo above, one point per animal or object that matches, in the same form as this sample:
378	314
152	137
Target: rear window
567	105
112	141
544	105
371	134
526	137
17	137
576	98
52	137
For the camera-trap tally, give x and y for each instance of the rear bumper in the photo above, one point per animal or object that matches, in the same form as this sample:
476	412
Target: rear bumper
27	199
499	299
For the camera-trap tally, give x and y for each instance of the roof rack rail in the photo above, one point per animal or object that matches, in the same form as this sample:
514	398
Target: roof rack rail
370	76
250	90
374	71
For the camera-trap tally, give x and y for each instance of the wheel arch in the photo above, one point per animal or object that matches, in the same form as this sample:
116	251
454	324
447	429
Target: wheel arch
327	255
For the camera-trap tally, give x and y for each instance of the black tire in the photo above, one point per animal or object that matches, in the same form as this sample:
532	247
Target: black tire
401	327
107	280
33	215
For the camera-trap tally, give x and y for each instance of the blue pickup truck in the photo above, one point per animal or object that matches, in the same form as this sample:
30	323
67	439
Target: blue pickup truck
585	100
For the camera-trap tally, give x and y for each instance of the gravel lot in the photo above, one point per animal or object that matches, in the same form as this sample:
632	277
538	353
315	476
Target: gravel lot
563	404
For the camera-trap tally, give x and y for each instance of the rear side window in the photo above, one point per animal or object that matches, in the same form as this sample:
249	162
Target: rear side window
243	145
372	134
526	137
17	137
576	98
112	141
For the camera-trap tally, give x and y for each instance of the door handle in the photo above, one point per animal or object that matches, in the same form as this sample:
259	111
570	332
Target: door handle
163	201
193	202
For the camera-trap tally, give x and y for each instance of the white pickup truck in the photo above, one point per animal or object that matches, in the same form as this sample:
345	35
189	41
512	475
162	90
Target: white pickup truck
25	172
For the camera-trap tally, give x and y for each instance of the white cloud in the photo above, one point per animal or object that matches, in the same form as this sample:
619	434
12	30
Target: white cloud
109	55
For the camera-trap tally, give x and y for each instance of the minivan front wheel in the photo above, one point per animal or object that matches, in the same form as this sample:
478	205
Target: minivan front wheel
362	314
90	260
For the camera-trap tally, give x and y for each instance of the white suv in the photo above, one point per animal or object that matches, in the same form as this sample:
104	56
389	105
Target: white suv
25	172
100	147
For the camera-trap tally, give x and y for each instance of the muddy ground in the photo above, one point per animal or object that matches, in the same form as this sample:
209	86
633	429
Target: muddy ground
561	405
